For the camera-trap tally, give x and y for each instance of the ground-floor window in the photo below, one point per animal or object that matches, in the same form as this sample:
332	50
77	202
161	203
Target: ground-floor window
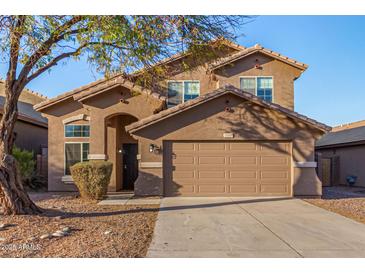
75	153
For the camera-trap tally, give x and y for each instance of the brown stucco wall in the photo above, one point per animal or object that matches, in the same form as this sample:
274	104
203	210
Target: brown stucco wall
107	133
30	137
32	142
99	109
282	73
247	121
57	139
283	76
351	162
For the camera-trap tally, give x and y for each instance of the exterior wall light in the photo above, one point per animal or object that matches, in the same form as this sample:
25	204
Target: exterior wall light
154	149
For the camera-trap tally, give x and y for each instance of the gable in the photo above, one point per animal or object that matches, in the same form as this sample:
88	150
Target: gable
230	114
201	103
252	50
258	64
96	88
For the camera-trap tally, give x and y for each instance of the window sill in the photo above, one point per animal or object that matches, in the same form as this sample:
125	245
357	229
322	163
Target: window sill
67	179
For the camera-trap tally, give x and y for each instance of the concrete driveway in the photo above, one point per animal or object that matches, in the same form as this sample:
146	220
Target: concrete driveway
243	227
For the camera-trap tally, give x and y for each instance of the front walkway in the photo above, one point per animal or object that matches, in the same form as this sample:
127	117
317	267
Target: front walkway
243	227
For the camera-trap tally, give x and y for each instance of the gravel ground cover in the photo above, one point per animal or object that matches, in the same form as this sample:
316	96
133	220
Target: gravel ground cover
346	201
72	227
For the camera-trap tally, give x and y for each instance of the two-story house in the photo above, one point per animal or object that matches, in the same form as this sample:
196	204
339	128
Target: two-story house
225	127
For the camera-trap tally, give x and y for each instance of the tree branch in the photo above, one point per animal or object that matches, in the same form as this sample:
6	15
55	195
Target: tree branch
55	60
15	36
55	37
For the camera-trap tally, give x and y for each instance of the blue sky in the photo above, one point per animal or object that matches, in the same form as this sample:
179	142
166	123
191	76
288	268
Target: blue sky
330	90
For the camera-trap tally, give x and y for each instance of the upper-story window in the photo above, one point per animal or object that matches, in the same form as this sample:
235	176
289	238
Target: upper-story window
259	86
77	131
181	91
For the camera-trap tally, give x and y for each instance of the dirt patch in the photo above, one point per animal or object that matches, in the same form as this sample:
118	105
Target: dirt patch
94	230
344	201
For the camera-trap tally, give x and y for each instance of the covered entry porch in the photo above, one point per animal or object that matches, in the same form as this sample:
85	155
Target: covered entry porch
121	149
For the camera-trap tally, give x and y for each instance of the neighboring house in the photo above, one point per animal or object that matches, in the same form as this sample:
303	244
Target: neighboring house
30	128
341	153
227	127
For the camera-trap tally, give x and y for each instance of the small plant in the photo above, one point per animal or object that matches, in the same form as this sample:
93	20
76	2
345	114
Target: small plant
26	163
351	180
92	178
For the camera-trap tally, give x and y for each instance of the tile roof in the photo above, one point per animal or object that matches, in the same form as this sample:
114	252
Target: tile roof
27	113
98	86
217	93
27	95
347	136
256	48
103	83
349	125
180	55
88	90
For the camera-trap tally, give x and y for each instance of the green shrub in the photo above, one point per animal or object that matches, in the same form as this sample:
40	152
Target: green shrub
26	163
92	178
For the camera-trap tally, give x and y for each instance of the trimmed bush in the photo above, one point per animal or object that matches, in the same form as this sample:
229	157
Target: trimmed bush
92	178
25	162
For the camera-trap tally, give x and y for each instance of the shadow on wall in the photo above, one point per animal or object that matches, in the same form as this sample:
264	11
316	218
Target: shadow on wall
248	121
243	65
253	122
115	95
150	184
55	173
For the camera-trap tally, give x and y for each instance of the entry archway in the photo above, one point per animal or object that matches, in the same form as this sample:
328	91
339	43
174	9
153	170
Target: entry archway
122	150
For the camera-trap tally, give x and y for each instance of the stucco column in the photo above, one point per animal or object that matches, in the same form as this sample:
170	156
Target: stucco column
97	135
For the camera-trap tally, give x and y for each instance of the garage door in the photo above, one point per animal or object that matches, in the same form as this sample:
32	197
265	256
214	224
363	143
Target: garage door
227	169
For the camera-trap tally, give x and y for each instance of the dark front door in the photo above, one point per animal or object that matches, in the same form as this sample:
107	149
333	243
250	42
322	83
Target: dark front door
130	166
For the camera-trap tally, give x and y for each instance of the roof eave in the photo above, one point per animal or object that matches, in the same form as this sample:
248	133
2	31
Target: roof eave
301	66
342	144
230	89
28	119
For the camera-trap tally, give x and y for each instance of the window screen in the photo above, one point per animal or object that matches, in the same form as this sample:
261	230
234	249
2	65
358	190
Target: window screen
249	85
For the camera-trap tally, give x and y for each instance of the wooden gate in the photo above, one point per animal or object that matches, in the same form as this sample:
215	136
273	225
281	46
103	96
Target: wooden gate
326	172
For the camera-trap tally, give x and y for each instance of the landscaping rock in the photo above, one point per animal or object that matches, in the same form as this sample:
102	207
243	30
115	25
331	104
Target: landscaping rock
45	236
107	232
2	239
66	229
58	234
86	239
3	226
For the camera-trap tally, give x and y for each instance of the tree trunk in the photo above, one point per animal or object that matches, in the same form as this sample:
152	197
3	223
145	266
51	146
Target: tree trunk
13	198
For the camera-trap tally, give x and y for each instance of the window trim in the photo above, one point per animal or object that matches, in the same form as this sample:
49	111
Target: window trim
183	92
261	76
64	130
64	153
